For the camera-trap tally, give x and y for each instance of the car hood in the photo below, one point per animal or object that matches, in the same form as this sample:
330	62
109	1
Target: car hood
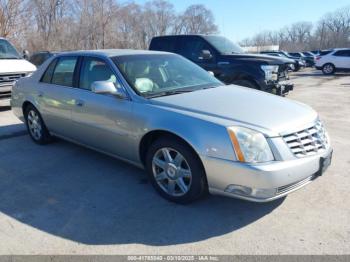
266	59
235	105
16	66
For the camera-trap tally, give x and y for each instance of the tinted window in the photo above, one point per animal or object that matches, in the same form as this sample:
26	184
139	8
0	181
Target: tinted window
192	48
326	52
295	54
49	71
164	44
224	45
64	71
342	53
95	69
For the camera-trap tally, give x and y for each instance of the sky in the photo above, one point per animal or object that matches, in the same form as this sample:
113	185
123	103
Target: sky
239	19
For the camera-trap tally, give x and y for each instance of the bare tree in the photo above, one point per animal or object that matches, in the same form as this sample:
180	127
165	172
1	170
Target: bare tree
11	12
198	20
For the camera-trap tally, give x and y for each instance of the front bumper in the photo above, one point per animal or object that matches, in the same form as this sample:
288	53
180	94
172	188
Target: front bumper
280	88
274	179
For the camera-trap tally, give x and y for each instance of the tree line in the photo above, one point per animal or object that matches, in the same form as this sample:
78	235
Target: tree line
97	24
331	31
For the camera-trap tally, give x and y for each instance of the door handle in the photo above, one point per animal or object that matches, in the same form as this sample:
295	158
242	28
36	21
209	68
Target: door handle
79	102
40	94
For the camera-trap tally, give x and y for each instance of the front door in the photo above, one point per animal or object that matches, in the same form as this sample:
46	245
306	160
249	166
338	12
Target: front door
102	121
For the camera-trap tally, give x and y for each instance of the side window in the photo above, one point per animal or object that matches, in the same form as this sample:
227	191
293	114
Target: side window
64	71
341	53
164	44
46	78
95	69
192	48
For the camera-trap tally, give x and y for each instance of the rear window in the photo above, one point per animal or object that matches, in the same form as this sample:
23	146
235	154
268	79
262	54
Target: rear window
325	52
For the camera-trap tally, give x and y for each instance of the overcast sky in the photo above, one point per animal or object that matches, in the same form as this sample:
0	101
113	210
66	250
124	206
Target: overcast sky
238	19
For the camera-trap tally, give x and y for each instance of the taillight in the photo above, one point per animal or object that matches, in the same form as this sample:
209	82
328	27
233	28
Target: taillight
318	58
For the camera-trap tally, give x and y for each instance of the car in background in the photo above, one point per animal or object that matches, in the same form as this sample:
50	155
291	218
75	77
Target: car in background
298	63
293	64
161	112
228	61
39	58
332	61
309	60
12	67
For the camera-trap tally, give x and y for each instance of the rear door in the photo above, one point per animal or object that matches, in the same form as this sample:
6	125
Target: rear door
55	94
342	59
102	121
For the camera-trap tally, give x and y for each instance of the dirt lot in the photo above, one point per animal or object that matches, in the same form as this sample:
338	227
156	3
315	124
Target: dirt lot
65	199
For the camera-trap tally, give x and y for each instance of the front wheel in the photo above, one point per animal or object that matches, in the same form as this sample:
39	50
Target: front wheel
328	69
175	170
36	126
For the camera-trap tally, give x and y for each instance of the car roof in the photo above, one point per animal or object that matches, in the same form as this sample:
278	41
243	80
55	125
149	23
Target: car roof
112	52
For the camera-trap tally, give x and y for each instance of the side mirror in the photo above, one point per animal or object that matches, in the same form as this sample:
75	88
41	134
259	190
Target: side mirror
25	54
206	55
107	87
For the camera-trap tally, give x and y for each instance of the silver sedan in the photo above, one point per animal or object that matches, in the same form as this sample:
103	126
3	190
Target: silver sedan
163	113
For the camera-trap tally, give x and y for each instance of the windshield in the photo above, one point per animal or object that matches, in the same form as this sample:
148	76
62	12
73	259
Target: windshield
224	45
7	51
158	75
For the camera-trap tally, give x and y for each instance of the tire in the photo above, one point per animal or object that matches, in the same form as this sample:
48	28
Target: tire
296	68
328	69
36	126
246	83
179	171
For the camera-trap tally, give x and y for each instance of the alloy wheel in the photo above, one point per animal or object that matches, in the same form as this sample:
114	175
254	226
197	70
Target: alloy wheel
34	124
171	172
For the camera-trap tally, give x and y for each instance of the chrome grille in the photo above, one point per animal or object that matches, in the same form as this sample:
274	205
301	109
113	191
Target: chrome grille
307	142
9	79
290	187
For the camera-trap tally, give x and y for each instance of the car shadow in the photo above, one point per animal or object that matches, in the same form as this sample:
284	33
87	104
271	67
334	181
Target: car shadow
78	194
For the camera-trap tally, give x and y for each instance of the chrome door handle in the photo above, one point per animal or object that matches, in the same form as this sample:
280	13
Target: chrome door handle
79	102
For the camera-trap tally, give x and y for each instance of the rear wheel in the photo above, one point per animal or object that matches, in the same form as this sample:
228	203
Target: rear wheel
36	126
328	69
175	170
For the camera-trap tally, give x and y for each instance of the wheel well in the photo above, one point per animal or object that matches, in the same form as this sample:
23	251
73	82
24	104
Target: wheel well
25	105
152	136
246	78
328	64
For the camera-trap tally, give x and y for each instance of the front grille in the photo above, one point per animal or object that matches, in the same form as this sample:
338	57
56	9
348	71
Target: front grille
307	142
290	187
9	79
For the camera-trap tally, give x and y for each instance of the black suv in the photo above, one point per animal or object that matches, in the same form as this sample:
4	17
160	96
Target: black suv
228	62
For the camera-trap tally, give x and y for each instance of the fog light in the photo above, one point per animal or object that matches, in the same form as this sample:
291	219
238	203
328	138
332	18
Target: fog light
264	193
239	190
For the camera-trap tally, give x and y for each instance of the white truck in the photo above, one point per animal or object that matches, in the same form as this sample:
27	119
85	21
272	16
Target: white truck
12	67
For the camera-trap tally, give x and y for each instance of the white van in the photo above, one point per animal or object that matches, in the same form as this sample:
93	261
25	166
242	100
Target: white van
12	67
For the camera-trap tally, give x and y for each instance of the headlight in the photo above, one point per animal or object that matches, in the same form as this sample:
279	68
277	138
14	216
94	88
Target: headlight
271	72
250	146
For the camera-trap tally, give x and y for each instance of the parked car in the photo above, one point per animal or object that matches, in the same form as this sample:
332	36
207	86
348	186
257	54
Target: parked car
309	60
12	67
39	58
228	62
336	60
294	64
191	132
298	64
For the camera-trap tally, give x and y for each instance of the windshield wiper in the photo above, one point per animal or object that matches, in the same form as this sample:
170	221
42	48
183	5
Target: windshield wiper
169	93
